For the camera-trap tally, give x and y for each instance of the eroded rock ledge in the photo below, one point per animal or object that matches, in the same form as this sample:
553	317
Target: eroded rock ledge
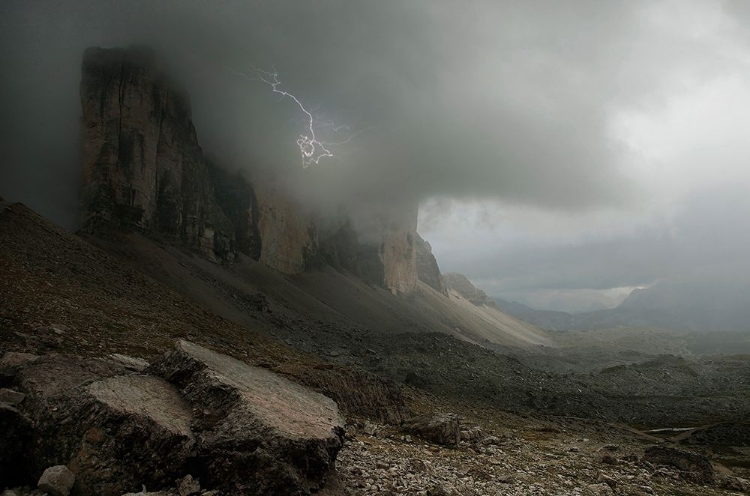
237	428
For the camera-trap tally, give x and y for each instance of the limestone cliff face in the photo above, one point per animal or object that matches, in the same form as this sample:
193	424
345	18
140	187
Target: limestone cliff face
427	267
400	255
237	199
387	257
343	250
143	168
142	164
289	242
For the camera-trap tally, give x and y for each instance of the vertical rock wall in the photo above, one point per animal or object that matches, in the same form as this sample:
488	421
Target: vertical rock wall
399	254
387	257
289	242
427	267
143	168
142	165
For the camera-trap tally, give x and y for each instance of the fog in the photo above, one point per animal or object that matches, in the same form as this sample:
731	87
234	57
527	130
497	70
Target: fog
561	153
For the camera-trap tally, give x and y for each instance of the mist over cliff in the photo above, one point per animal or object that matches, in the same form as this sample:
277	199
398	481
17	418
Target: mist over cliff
559	154
387	71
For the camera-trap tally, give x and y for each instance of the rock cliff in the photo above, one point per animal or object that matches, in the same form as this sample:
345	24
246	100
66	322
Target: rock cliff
427	267
386	257
143	168
461	285
400	255
142	165
289	242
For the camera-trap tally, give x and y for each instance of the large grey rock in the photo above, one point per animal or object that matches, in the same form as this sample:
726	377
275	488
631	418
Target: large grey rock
257	432
138	427
442	429
694	466
57	481
114	431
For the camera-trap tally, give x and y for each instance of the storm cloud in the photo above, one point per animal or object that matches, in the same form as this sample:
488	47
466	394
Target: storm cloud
553	146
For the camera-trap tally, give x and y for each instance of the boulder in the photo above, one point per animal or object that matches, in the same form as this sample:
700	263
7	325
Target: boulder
187	486
733	483
472	434
427	267
441	429
10	397
139	427
694	466
57	481
257	432
358	392
115	432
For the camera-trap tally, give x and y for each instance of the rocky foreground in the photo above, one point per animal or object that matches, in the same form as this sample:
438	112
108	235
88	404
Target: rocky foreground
199	422
117	425
97	399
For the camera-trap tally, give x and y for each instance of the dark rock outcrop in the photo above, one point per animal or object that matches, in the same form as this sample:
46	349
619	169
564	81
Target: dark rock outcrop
442	429
694	466
237	199
343	250
360	393
99	423
241	429
427	267
258	433
142	165
722	434
15	430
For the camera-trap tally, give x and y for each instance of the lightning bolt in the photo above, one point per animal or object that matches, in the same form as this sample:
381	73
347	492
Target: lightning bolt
311	149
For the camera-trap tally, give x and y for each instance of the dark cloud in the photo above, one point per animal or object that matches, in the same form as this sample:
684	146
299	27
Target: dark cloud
706	241
463	100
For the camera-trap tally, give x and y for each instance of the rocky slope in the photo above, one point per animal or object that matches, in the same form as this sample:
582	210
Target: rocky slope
71	303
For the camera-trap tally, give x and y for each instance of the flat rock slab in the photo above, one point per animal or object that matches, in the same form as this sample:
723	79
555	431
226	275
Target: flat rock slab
114	429
138	427
258	433
146	396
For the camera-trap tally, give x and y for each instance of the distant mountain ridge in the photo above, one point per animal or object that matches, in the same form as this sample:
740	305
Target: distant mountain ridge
695	302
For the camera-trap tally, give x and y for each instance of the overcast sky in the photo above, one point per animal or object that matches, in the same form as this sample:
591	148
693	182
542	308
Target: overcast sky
562	152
